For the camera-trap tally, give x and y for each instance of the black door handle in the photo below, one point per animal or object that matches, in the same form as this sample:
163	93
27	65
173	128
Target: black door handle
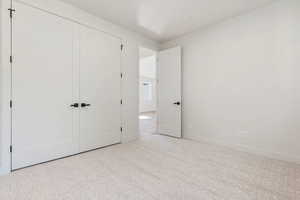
177	103
83	105
75	105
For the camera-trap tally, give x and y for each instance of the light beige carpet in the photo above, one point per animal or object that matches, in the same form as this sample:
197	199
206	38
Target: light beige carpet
156	167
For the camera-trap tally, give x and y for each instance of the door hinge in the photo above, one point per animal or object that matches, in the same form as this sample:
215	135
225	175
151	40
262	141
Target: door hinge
122	47
11	11
121	101
121	75
10	149
10	59
10	103
121	129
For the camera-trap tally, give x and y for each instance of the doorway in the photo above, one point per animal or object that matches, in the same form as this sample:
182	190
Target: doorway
147	91
160	101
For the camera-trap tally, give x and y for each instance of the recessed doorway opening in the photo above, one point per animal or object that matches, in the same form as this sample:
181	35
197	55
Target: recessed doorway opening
147	91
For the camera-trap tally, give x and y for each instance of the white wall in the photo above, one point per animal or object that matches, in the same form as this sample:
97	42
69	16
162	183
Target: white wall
241	82
4	89
130	68
1	110
148	74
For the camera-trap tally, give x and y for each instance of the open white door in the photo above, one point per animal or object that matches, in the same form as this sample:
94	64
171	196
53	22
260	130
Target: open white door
169	92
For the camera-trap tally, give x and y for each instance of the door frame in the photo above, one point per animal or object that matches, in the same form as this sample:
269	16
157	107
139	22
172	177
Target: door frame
139	93
5	79
6	68
157	89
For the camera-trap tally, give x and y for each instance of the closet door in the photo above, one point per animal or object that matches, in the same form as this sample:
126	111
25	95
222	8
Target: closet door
100	89
42	87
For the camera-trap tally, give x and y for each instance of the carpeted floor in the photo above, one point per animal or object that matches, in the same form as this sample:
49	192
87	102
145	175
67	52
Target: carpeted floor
156	168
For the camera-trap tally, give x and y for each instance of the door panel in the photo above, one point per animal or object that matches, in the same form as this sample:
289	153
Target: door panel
100	86
42	87
169	92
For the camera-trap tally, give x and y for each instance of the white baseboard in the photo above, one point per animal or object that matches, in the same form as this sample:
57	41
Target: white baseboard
252	150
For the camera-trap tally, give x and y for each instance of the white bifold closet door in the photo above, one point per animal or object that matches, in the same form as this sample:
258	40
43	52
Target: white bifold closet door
42	87
58	63
100	89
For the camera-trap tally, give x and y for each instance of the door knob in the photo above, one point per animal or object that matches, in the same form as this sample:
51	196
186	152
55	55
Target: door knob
83	105
177	103
75	105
